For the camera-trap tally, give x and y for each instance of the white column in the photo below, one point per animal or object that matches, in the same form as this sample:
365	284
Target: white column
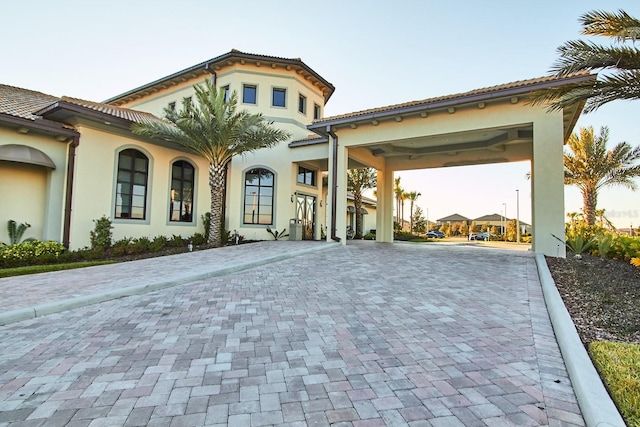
547	182
384	210
341	193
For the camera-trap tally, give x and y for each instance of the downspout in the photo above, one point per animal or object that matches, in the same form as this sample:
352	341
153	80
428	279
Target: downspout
68	200
334	178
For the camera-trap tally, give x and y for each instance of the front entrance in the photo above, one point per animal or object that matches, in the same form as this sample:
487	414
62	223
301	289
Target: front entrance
306	214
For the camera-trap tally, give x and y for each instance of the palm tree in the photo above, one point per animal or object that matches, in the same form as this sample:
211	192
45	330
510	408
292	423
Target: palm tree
397	190
590	167
215	130
621	63
412	196
359	180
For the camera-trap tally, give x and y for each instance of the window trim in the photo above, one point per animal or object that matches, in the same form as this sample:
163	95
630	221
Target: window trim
302	100
149	186
244	191
319	110
255	87
193	196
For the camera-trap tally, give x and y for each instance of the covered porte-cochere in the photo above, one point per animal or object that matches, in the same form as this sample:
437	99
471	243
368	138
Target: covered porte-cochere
491	125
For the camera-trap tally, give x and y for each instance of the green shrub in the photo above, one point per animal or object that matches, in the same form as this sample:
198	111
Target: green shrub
369	236
30	252
198	239
120	247
624	248
139	246
404	236
158	243
603	243
177	242
206	222
101	235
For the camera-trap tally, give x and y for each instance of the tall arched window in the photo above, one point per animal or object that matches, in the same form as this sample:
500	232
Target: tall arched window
131	185
258	197
181	194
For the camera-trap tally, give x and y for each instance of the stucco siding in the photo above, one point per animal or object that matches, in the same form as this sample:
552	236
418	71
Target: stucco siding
95	183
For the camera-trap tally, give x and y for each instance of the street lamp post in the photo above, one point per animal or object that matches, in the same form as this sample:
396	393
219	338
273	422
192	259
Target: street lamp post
518	216
504	231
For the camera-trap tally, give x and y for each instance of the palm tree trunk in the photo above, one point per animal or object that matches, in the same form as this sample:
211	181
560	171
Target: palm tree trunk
590	199
357	204
411	217
217	184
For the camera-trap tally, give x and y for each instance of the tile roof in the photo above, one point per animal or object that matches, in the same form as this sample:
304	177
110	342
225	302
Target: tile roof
118	112
22	103
482	91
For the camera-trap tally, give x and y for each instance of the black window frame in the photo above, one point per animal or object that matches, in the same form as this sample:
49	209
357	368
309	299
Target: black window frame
178	190
316	112
227	92
302	104
134	176
253	206
306	176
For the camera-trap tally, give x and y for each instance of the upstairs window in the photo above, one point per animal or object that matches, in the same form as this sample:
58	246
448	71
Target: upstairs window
306	176
181	194
302	104
316	112
249	94
131	185
258	197
279	98
172	106
227	92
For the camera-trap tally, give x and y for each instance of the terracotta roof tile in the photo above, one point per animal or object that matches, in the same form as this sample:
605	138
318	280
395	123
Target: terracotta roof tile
119	112
18	102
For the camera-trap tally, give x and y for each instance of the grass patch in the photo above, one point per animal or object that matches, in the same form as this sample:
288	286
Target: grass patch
33	269
619	367
420	240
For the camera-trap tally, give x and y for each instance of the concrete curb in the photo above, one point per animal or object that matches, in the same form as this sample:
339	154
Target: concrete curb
85	300
595	403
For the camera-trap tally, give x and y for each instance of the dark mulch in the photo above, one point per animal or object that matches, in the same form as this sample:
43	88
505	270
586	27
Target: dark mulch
602	296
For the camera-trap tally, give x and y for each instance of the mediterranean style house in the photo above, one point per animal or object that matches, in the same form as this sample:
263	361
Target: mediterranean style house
65	162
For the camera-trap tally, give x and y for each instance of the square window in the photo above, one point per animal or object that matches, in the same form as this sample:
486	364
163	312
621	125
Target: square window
302	104
172	106
316	112
249	94
306	176
279	97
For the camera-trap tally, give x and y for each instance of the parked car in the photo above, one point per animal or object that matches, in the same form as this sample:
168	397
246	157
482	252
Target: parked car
482	236
435	235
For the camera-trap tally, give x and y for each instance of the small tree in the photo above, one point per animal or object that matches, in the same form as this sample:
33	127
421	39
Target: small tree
419	222
464	229
444	228
475	228
511	231
357	181
101	235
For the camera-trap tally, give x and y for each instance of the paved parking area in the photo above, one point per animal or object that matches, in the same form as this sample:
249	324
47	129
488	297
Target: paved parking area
364	335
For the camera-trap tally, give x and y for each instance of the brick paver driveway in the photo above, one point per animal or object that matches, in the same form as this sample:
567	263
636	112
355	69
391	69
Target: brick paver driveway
367	334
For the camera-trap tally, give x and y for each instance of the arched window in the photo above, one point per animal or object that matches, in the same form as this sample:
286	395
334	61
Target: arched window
131	185
258	197
181	194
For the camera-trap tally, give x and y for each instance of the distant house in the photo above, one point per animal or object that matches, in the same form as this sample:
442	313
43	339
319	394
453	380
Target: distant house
497	220
451	219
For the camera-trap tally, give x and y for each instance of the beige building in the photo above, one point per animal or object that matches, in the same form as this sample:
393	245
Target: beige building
65	162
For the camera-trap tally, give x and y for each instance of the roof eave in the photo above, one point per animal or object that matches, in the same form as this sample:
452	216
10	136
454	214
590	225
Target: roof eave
320	127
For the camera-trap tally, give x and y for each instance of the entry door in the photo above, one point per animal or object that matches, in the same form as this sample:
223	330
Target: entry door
306	214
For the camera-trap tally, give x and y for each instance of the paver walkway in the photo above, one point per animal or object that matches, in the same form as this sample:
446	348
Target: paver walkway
367	334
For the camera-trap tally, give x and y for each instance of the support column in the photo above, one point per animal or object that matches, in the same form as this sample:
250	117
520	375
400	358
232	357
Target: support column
340	188
547	182
384	209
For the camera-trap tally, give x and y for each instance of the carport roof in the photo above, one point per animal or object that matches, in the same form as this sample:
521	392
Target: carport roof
517	88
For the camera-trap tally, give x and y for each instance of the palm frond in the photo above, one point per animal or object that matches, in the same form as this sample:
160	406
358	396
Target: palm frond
619	25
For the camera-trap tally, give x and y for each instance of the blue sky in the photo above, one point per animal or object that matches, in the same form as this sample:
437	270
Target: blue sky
376	53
